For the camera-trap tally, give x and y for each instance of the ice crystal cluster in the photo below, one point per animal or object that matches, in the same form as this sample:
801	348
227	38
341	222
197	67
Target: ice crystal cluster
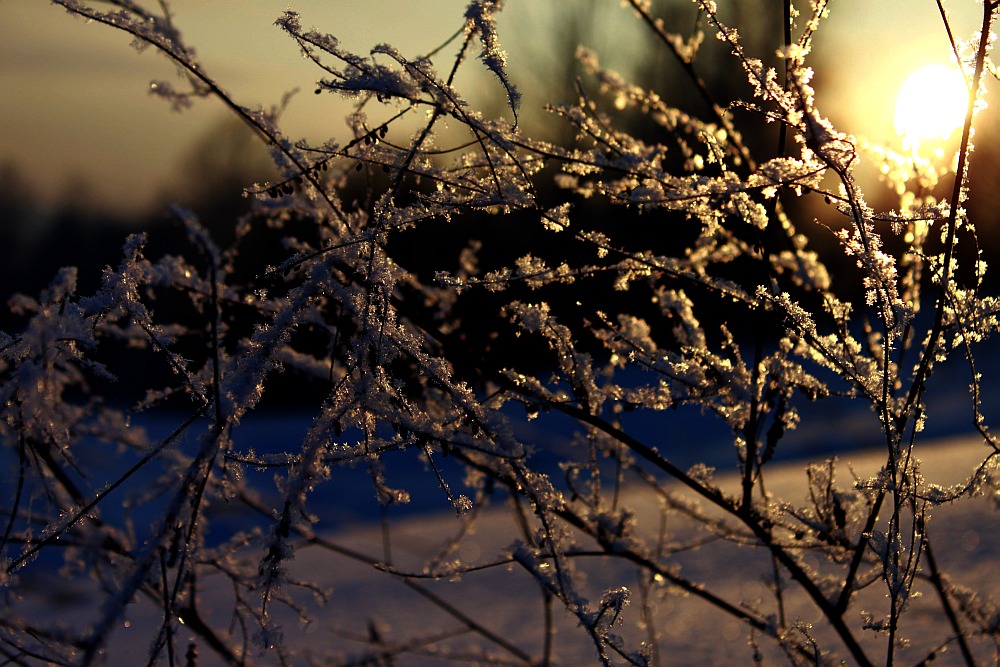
640	275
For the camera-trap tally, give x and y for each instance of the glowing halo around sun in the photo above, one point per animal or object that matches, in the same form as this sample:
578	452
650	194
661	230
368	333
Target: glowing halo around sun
931	105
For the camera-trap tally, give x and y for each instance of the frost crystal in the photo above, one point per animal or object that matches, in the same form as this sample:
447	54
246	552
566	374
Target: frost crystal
591	348
480	19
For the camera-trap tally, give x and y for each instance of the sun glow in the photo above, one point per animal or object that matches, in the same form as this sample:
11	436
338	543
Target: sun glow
931	105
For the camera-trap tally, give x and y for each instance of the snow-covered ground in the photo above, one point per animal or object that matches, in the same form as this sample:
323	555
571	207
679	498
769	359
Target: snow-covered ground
497	614
504	605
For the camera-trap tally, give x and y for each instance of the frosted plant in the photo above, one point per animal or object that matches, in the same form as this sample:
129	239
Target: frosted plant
673	274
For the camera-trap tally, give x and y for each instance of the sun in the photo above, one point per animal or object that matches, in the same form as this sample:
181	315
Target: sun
931	105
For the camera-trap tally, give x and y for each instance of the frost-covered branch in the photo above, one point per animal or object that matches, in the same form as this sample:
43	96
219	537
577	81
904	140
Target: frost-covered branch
529	335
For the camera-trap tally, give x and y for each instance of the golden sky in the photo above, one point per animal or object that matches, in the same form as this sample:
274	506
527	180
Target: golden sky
75	107
76	104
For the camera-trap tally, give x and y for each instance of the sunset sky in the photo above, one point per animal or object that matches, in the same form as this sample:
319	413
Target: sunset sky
76	118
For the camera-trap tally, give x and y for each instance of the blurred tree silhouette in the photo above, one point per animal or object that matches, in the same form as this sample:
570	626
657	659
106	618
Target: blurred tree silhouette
549	70
211	177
